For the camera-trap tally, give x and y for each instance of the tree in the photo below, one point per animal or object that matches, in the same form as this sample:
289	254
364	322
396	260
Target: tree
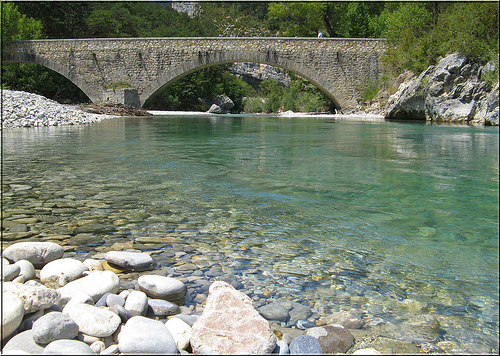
406	25
17	26
298	18
468	28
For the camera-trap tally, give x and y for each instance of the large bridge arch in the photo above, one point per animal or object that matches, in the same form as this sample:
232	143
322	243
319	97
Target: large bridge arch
210	59
131	70
33	57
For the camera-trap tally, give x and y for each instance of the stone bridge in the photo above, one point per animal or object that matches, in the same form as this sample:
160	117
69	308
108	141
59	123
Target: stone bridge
131	70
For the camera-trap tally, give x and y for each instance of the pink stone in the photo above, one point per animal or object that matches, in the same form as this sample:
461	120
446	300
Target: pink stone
230	325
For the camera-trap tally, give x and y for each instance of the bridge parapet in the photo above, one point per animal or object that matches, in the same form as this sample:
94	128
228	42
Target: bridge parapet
338	66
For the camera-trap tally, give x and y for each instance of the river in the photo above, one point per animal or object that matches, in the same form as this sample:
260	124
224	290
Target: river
387	220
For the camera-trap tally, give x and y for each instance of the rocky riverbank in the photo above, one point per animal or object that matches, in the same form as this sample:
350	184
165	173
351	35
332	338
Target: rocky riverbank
22	109
455	91
53	304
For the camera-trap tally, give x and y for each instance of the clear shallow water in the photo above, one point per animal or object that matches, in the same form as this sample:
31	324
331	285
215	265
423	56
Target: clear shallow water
392	219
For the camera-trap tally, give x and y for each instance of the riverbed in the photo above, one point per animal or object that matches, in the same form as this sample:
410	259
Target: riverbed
395	224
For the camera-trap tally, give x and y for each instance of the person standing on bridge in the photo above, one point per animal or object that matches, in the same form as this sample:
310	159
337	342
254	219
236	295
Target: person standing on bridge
320	34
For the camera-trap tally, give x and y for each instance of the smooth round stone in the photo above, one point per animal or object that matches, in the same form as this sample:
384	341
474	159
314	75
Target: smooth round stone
162	308
12	313
305	345
33	298
137	303
180	331
162	287
96	284
333	338
68	347
38	253
60	272
113	300
123	313
135	261
26	269
23	343
188	319
10	272
143	335
274	311
94	321
54	326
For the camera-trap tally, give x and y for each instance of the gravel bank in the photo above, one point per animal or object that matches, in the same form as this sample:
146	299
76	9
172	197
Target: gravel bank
21	109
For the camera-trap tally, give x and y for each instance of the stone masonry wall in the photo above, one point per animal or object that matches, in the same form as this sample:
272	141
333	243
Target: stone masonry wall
337	66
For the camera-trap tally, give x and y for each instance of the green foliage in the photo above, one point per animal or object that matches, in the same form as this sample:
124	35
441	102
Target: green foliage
299	96
420	32
469	28
235	19
193	91
36	79
298	18
17	26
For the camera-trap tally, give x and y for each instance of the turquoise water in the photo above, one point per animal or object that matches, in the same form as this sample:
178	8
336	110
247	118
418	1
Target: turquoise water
394	219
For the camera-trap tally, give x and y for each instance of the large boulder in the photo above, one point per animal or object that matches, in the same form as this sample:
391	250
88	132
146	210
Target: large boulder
230	325
453	91
38	253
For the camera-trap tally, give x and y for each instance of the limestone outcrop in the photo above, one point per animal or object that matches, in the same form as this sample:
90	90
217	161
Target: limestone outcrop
452	91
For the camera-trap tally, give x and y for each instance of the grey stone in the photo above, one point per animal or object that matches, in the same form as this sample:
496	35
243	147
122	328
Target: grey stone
333	338
113	300
161	287
137	303
33	298
12	313
135	261
10	272
215	109
305	345
38	253
54	326
274	311
68	347
188	319
26	269
94	321
143	335
162	308
451	91
123	313
22	343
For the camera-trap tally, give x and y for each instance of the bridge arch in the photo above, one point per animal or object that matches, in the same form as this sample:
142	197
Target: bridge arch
27	57
208	59
131	70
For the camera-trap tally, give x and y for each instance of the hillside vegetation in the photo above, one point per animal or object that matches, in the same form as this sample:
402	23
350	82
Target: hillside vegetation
418	33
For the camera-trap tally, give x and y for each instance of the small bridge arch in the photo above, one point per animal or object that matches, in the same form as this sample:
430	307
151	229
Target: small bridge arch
131	70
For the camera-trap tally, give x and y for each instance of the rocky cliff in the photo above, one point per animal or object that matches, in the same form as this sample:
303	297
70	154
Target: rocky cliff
455	90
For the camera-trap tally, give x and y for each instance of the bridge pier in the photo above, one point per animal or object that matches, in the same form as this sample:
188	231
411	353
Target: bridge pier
126	96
